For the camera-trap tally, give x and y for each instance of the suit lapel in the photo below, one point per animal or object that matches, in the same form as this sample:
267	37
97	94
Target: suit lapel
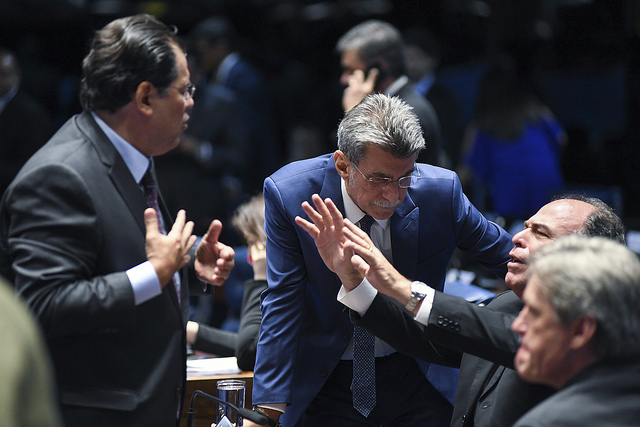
405	225
331	186
122	179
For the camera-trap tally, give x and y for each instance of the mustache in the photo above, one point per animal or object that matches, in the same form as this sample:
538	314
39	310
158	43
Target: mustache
385	204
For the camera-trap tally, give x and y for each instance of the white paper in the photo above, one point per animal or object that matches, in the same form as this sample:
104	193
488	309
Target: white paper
212	366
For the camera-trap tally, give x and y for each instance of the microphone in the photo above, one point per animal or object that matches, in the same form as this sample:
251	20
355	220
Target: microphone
249	414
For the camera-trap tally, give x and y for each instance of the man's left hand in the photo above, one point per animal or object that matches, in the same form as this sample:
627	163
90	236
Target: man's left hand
214	260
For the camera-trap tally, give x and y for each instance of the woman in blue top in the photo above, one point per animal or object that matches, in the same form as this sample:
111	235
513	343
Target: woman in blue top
512	147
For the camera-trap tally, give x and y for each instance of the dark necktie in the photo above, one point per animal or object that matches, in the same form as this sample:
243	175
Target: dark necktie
363	385
151	196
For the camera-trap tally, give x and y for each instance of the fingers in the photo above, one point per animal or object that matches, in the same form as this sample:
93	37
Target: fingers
372	77
358	240
330	218
325	216
307	226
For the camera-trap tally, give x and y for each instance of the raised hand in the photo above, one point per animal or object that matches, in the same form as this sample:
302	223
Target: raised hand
168	253
359	86
372	264
214	260
326	230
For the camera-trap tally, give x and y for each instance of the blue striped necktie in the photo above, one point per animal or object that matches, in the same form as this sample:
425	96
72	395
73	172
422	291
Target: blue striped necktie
363	385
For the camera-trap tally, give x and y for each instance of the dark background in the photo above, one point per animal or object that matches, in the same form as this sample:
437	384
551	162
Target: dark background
583	55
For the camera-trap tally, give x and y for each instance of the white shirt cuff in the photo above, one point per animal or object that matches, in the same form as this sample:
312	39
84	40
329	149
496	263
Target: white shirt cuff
425	308
360	298
144	281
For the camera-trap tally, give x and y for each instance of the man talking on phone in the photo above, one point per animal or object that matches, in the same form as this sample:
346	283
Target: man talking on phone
373	59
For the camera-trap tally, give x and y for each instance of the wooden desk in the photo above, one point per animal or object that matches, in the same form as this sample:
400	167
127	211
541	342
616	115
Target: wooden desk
205	409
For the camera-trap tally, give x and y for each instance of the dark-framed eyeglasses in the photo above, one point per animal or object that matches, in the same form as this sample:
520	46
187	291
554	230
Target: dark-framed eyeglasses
190	90
380	182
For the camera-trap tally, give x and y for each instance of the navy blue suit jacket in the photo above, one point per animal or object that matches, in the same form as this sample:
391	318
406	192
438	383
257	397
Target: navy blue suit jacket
305	330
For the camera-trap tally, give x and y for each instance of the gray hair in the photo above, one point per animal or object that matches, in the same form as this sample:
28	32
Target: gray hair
380	119
376	41
593	277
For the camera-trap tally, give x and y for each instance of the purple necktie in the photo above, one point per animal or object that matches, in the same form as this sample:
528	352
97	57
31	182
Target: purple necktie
151	196
363	385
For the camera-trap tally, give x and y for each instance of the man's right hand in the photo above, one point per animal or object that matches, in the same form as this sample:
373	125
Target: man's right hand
168	253
326	230
359	86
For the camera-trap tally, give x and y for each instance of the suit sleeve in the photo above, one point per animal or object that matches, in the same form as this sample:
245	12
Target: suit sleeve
482	331
50	231
249	329
281	305
388	320
215	341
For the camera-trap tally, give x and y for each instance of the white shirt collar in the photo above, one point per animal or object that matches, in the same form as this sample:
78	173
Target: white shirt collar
397	85
136	162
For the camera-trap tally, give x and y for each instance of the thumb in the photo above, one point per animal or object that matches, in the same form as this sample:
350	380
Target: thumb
215	228
360	264
151	221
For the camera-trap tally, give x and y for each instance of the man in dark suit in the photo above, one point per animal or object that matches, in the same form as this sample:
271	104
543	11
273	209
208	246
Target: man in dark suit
489	392
25	125
373	59
217	44
89	256
304	361
579	333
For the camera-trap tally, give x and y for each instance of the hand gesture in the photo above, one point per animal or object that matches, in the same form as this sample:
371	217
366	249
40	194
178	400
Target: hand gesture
372	264
168	253
359	86
214	260
326	230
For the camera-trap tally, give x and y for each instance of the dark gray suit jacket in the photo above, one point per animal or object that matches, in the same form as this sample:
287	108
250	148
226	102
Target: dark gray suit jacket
606	393
71	224
477	339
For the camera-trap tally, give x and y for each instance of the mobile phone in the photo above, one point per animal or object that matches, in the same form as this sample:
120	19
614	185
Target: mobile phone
382	74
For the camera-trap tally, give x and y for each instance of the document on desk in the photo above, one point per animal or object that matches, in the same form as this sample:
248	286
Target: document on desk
212	366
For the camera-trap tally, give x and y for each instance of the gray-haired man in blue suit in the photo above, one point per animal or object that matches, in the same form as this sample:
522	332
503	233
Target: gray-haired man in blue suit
304	363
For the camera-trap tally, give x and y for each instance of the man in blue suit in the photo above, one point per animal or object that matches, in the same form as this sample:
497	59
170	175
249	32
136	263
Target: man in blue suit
304	363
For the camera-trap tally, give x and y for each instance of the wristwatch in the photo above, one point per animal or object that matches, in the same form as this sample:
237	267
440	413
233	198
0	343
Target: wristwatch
418	292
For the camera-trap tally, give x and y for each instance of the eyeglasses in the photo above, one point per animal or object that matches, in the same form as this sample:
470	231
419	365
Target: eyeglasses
189	90
380	182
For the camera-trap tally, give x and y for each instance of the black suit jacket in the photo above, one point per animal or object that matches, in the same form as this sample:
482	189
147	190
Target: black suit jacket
477	339
71	224
603	394
25	126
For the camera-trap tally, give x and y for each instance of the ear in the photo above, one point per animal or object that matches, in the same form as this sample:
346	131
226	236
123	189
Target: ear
145	92
342	164
584	329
